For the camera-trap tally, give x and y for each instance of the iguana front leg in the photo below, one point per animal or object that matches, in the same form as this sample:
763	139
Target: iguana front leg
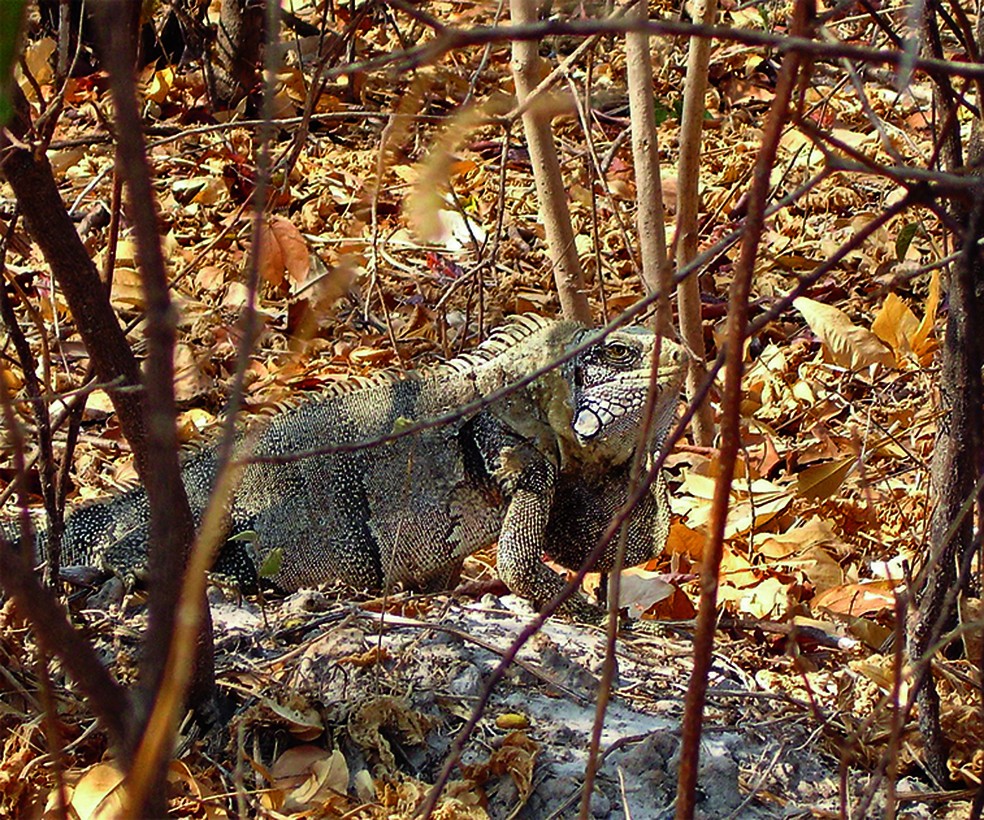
528	479
523	537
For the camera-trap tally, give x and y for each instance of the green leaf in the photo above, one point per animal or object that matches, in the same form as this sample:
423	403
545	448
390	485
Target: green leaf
662	112
402	423
904	239
11	22
272	563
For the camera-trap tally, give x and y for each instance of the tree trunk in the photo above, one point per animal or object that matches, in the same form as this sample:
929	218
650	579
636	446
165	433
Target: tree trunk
551	194
688	200
650	215
237	49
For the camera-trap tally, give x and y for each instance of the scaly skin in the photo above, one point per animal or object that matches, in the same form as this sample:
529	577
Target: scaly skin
541	471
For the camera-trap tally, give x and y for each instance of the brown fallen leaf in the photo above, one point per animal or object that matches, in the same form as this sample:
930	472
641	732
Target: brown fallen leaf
640	589
857	599
309	777
823	480
283	252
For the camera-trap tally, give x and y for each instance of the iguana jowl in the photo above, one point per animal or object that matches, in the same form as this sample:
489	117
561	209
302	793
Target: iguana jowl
542	470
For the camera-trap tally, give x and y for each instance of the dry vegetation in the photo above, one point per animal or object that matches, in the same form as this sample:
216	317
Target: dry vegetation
399	229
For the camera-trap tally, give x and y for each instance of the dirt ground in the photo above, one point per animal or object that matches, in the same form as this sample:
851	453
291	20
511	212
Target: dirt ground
394	691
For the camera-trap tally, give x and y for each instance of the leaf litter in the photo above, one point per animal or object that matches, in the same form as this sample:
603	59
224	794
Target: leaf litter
335	715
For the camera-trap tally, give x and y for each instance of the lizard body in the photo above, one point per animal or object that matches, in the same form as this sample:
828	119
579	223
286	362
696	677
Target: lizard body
541	470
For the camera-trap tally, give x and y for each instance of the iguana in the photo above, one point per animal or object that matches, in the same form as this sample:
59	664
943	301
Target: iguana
541	470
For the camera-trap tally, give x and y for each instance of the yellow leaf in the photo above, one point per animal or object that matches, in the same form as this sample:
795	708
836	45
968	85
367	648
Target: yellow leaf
922	341
160	85
850	346
736	570
895	324
869	632
512	720
100	794
767	598
37	58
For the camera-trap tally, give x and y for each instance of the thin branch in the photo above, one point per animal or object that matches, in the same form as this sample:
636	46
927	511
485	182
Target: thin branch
780	43
731	420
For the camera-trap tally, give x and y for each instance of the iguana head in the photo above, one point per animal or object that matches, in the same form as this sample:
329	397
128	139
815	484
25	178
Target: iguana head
608	384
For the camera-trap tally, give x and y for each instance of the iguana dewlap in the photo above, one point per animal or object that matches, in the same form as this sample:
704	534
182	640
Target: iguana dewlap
542	470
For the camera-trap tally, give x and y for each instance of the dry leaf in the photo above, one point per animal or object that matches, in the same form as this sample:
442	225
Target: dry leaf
850	346
127	291
515	757
365	788
736	570
99	794
823	480
880	670
37	58
796	540
180	773
971	613
872	634
640	589
283	251
189	380
895	324
744	513
857	599
309	777
767	599
747	515
922	341
685	541
677	607
160	85
304	724
819	567
425	204
367	722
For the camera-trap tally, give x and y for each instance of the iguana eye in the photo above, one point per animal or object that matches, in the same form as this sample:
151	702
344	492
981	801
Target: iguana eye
618	353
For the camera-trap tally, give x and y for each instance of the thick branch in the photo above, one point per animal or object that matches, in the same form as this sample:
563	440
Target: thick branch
650	217
551	194
172	526
688	169
31	178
